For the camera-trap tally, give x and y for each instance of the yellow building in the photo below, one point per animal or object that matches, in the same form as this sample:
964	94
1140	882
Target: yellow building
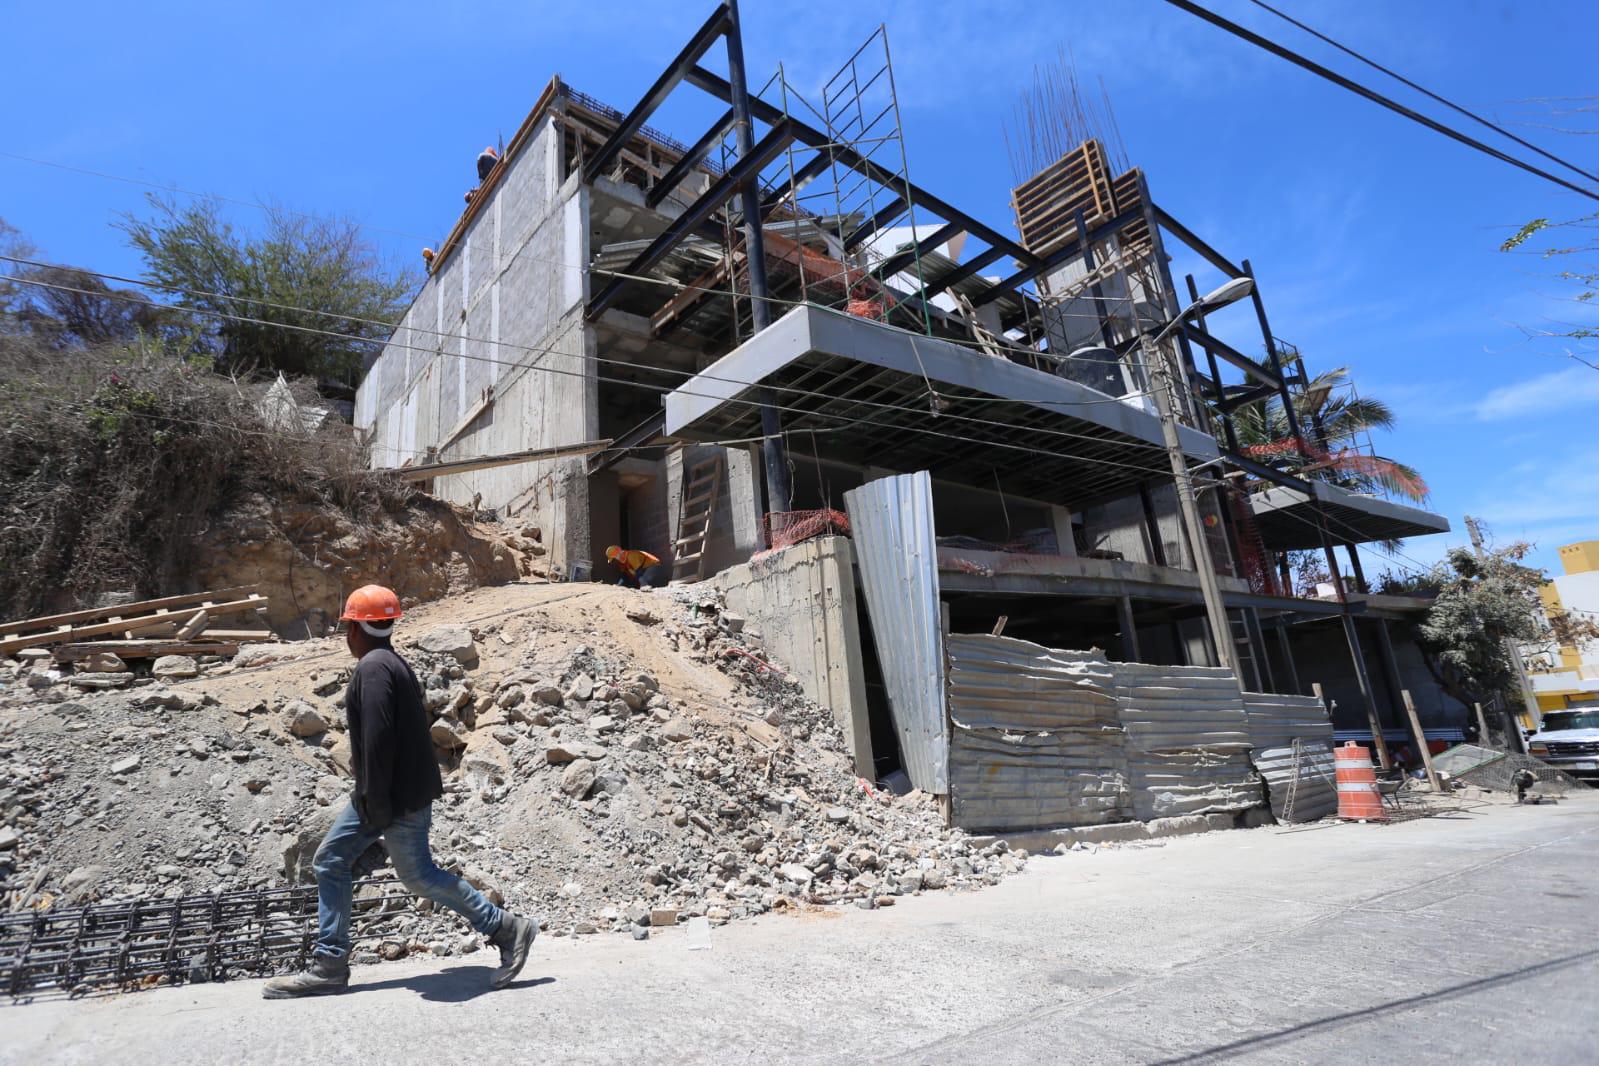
1562	675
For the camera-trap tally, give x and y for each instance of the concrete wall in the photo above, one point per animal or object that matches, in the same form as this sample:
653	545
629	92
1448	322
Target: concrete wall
502	312
803	601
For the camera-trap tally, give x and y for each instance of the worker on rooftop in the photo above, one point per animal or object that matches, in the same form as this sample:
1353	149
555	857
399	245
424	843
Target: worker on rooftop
487	160
396	781
639	569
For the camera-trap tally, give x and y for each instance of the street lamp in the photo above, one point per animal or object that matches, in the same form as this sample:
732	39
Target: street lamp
1160	380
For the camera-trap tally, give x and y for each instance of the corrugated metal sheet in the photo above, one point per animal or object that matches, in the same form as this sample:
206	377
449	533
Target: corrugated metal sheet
1276	721
1182	708
1187	740
892	524
1034	739
1301	783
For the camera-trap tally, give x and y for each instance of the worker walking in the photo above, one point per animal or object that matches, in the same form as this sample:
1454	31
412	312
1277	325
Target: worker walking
639	569
396	781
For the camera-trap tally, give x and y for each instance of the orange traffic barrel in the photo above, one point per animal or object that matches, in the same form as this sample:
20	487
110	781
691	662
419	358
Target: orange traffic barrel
1357	785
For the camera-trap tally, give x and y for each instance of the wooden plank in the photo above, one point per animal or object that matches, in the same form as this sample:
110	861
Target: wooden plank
472	415
488	462
122	610
194	626
142	649
78	633
1421	740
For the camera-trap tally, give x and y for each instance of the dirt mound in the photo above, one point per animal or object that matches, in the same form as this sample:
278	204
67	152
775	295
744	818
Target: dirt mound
307	557
609	754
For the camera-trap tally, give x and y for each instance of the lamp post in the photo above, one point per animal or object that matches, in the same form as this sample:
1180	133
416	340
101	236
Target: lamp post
1160	378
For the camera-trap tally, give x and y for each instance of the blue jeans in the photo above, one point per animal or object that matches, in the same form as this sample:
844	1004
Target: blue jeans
407	840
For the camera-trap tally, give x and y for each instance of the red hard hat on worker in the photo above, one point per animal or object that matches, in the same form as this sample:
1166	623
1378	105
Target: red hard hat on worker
372	603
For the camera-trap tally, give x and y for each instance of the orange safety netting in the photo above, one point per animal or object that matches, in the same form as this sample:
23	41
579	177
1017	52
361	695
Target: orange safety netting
788	528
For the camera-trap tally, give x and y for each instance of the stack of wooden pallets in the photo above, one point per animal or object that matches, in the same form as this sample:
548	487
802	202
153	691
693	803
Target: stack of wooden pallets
173	625
1047	204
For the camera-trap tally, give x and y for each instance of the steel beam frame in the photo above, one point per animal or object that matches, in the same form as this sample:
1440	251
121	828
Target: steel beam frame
676	71
691	159
723	190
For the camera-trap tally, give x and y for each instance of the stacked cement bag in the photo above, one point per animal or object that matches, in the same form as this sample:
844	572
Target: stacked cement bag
1292	738
1187	740
1034	737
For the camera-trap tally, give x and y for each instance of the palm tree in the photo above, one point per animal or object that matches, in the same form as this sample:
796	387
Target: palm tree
1332	420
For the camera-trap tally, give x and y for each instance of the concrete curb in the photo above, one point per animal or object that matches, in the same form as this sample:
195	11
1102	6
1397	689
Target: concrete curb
1043	840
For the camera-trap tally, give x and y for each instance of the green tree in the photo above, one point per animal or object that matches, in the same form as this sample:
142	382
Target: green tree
1486	599
319	276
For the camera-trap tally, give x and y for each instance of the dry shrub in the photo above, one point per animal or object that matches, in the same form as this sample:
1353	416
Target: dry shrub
113	460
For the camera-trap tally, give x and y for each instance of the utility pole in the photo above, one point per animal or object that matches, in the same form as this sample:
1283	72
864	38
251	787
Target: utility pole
779	489
1160	378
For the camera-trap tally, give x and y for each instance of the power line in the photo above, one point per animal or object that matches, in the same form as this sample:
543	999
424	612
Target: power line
1424	91
1372	95
571	355
659	388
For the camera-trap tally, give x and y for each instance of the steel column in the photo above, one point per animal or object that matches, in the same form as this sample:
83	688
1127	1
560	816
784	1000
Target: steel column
779	491
1288	657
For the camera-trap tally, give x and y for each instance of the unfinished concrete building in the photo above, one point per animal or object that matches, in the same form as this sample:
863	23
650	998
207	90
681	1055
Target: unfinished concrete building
878	423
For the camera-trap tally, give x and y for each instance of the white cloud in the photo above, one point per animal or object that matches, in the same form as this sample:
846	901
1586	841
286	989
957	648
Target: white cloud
1562	390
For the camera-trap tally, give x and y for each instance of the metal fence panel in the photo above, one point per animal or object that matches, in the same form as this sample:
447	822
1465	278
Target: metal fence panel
1300	780
1276	720
892	523
1034	737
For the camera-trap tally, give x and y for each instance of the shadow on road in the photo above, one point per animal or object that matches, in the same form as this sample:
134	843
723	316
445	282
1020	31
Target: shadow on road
1285	1036
455	985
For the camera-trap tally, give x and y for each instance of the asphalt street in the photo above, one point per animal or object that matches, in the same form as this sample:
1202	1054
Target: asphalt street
1469	937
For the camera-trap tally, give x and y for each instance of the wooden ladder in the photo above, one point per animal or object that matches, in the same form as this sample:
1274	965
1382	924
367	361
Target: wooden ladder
701	485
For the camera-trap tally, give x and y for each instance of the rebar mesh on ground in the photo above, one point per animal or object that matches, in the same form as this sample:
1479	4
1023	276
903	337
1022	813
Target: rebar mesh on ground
1483	767
145	942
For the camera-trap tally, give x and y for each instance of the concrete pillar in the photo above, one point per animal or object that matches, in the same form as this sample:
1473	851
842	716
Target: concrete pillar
744	500
1061	519
675	468
1129	630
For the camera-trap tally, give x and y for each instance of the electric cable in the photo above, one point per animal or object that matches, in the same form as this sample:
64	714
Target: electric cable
1370	94
1424	91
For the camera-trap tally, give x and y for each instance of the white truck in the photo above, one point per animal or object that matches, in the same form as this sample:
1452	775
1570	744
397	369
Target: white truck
1569	741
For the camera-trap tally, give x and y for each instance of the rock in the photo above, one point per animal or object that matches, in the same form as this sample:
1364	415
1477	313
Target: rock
678	729
510	696
601	723
299	847
838	814
933	879
793	871
505	735
578	779
733	623
642	615
548	695
448	734
663	916
9	838
101	662
126	766
328	790
641	932
100	681
79	885
303	720
566	751
450	640
581	688
259	655
911	881
392	950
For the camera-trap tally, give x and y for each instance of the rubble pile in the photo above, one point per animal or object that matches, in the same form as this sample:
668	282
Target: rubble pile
614	761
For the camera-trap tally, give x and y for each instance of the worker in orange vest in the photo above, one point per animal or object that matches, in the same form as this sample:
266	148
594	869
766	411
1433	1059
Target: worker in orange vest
639	569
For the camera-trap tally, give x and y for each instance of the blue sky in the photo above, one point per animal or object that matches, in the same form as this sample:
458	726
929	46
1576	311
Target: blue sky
1375	241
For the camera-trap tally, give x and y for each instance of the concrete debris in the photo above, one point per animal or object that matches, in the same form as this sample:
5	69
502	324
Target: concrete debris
450	640
175	667
602	774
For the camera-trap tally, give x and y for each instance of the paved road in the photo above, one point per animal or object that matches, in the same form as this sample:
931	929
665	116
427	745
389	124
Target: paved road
1460	939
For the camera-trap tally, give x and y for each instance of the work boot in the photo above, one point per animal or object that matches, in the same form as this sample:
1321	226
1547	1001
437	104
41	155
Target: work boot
514	938
323	977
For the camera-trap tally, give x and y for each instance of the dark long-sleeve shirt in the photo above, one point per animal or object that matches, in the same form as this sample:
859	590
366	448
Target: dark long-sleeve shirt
391	751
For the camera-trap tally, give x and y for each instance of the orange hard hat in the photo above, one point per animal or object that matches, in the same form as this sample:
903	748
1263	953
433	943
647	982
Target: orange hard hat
372	603
613	553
